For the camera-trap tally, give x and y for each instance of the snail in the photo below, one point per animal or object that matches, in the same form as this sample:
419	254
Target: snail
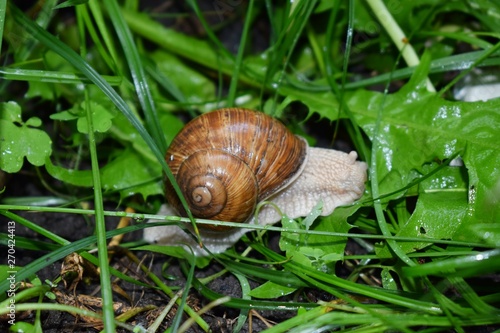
227	161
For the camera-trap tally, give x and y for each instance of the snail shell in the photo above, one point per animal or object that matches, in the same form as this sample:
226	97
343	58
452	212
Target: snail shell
228	160
274	165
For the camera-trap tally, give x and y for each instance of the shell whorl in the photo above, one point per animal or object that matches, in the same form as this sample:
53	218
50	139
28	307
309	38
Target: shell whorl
243	156
210	179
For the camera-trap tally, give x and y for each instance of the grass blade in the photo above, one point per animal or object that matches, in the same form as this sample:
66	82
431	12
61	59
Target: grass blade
137	72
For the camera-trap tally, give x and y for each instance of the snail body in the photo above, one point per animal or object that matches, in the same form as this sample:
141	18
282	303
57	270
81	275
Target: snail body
227	161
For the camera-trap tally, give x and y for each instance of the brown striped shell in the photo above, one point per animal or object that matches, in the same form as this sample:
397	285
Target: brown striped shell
228	160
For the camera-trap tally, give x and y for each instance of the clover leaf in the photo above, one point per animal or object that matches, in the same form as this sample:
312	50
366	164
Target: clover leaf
102	116
20	139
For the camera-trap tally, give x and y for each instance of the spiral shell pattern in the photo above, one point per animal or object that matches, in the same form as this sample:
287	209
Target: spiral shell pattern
228	160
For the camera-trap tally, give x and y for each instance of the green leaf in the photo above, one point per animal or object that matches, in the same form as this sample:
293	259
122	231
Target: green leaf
22	326
33	122
441	209
388	280
323	103
313	215
195	87
489	232
291	242
73	177
317	250
101	116
125	133
11	112
19	140
332	246
131	174
418	128
43	90
171	125
64	116
271	290
54	67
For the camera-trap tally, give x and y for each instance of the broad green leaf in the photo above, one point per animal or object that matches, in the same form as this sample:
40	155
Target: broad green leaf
19	140
440	210
271	290
305	63
81	178
33	122
44	90
332	246
130	174
417	128
194	87
11	112
482	159
125	133
171	126
22	326
317	250
102	116
133	171
49	90
323	103
489	232
64	116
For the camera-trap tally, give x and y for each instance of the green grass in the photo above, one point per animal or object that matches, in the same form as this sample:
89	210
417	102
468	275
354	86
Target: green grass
428	229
